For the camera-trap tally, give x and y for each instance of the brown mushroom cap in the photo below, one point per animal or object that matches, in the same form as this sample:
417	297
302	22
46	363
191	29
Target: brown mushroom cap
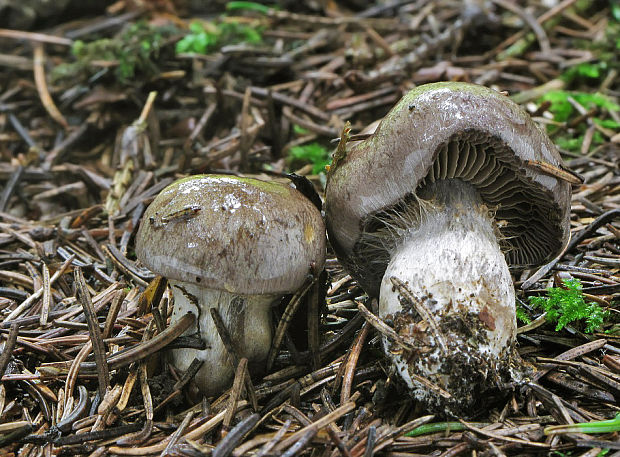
449	131
241	235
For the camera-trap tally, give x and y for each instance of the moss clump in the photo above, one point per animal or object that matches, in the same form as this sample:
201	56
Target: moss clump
134	52
565	305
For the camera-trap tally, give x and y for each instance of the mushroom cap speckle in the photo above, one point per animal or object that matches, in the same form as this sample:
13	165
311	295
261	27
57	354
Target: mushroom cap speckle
242	235
449	131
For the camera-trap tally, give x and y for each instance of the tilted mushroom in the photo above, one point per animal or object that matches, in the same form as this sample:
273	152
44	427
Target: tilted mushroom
427	212
235	244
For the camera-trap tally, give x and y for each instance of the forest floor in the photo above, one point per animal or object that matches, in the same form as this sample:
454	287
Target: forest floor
102	108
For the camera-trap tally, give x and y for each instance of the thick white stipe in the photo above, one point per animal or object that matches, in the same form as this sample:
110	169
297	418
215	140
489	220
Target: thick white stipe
247	319
453	266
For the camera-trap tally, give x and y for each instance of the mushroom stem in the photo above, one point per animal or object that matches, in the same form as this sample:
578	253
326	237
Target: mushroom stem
448	289
247	319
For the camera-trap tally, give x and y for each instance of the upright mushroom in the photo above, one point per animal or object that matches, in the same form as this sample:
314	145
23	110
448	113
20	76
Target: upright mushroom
427	212
235	244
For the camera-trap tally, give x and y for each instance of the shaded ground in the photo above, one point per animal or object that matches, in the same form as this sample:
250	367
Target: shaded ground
265	91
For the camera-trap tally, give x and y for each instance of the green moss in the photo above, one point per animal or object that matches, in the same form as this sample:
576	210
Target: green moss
567	305
136	51
522	315
569	144
607	123
206	37
587	70
299	130
563	110
313	153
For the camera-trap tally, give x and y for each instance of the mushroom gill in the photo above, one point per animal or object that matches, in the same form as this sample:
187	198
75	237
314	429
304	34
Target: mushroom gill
522	209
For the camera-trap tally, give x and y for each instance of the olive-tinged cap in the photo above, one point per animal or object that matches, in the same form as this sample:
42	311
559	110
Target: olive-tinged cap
241	235
449	131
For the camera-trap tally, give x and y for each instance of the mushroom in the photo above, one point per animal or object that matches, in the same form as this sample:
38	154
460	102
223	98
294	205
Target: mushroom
235	244
428	212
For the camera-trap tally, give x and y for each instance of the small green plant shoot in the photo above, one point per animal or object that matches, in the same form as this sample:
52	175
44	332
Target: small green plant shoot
566	305
606	426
